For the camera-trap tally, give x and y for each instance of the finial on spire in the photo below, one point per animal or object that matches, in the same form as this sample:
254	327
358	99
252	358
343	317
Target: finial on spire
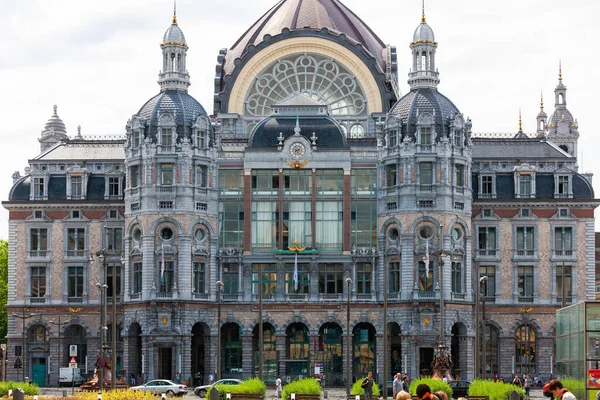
423	21
297	128
174	12
55	108
520	121
560	70
542	100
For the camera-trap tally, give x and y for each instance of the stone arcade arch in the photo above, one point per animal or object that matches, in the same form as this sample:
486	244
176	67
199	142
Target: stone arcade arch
270	359
134	351
199	354
297	348
231	350
458	349
364	350
330	353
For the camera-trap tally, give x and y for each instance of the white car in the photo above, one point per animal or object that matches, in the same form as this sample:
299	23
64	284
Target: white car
165	386
201	390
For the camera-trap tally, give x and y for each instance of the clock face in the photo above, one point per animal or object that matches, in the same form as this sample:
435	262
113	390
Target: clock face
297	150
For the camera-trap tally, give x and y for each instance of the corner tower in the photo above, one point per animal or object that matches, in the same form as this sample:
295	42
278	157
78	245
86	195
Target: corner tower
562	127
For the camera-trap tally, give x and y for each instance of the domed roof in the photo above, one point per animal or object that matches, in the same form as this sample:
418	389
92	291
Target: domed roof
55	124
267	131
184	107
424	100
561	114
174	35
308	15
423	33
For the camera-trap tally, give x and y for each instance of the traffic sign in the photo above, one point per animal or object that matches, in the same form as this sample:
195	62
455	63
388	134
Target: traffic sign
72	365
73	361
73	350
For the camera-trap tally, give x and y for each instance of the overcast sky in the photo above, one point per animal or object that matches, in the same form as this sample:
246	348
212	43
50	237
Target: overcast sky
99	61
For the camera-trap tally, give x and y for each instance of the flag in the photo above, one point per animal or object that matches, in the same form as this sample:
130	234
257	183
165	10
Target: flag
162	260
295	277
426	259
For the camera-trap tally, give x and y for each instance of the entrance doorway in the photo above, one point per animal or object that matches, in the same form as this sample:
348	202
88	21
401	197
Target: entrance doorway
425	360
38	371
165	363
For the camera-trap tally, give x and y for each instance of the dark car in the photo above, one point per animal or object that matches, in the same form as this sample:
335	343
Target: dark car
459	388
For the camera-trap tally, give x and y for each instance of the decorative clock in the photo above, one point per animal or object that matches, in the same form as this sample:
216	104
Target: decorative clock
297	150
164	320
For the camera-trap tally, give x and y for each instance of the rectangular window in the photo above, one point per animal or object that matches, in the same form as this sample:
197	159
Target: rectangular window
425	277
564	281
563	241
38	242
199	277
391	175
38	282
165	205
265	182
459	175
525	284
201	175
268	283
301	284
363	223
231	182
137	277
457	139
393	135
201	139
487	241
489	288
114	186
166	174
297	223
136	141
363	278
231	224
563	185
331	278
264	225
456	281
116	270
39	187
525	238
76	186
426	136
426	173
166	277
166	137
363	181
394	283
330	181
297	182
76	242
231	278
525	184
487	185
329	219
113	239
134	176
75	283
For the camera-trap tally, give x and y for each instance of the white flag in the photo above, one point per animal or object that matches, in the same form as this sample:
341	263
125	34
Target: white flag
295	277
427	259
162	260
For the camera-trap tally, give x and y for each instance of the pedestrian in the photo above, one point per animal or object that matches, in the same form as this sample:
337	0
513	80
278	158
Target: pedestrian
527	386
557	389
495	378
397	385
423	391
516	381
132	380
535	381
278	387
405	383
367	385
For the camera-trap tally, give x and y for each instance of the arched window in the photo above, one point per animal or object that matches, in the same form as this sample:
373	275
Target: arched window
38	334
525	350
491	350
363	357
297	343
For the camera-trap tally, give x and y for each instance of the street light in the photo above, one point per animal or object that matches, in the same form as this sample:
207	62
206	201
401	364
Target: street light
102	289
260	323
348	375
483	281
59	325
219	288
23	317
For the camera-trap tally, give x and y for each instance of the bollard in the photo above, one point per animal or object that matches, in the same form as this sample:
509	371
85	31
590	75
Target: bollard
9	392
99	395
19	394
35	397
358	397
228	396
64	393
163	396
293	396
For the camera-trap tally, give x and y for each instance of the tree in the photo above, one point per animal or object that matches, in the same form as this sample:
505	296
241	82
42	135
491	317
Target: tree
3	289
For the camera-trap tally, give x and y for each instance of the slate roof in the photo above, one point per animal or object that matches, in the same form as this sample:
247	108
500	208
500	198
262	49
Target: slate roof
327	130
97	150
311	15
510	149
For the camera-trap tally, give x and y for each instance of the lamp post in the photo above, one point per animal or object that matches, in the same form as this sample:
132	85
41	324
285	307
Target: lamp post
348	365
260	323
219	288
102	289
59	325
477	325
385	338
483	281
23	317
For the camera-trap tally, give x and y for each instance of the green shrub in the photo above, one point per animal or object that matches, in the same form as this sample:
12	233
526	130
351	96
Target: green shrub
302	386
495	390
357	389
30	389
117	394
249	386
436	385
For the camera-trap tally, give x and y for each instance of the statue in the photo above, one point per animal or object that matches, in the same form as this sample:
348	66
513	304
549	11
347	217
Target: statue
105	364
442	365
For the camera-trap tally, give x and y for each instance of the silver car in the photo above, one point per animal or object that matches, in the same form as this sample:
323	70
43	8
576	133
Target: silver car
201	390
165	386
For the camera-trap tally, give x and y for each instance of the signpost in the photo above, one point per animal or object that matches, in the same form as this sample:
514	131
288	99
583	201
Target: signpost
73	364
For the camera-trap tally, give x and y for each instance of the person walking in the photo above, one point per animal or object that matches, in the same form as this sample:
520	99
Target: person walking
516	381
556	388
405	383
397	385
367	385
527	386
278	387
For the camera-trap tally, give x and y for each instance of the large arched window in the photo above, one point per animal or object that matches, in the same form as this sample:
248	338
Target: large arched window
491	348
525	350
322	79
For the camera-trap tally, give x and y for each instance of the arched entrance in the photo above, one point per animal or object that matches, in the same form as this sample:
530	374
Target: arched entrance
231	351
200	366
270	358
458	349
76	335
363	356
297	351
134	351
38	349
330	354
395	343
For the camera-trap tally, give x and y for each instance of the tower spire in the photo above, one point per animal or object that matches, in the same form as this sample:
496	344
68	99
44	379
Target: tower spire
542	100
560	70
174	12
423	20
520	122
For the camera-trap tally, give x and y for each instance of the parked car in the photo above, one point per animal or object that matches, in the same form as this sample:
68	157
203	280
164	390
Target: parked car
459	388
165	386
201	390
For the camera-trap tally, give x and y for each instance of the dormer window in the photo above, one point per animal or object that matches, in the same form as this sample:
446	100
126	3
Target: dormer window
425	136
457	139
136	139
563	188
393	139
525	181
487	186
113	188
40	188
166	137
76	186
201	139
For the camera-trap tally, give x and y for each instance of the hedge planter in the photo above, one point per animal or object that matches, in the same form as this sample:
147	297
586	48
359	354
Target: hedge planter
245	396
308	396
